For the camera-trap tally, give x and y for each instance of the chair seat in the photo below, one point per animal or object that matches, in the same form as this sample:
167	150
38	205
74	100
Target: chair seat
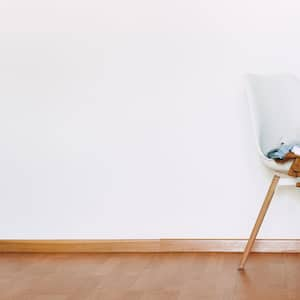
277	167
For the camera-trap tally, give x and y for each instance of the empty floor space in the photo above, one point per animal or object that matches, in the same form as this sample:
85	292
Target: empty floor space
148	276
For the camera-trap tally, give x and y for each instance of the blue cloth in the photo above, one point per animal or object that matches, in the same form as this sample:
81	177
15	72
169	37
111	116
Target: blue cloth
279	153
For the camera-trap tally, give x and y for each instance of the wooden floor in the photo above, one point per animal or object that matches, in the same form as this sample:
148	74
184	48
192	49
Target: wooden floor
148	276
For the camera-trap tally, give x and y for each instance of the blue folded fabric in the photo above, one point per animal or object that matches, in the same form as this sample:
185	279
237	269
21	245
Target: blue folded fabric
279	153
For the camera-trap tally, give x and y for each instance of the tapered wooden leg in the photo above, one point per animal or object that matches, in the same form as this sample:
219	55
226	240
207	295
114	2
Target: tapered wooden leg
259	220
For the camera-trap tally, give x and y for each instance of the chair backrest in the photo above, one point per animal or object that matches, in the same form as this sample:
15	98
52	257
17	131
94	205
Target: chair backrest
274	102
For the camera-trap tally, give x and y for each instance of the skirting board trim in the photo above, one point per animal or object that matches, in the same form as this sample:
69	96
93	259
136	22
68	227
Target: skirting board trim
148	245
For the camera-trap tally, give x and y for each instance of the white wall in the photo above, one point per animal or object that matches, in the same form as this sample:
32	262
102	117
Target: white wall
126	119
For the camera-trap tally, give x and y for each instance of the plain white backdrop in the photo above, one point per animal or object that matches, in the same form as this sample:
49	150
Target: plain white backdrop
127	119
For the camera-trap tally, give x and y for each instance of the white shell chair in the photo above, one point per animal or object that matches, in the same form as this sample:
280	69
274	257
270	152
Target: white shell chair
274	105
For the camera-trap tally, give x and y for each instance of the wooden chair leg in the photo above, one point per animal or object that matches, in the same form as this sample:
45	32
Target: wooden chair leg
259	220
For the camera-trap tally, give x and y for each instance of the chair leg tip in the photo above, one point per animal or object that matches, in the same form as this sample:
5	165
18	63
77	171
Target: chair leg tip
241	268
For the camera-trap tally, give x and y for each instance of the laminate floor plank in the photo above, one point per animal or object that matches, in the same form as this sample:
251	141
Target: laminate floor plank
133	276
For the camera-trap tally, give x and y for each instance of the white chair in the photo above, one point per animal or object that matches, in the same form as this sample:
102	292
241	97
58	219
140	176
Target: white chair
274	105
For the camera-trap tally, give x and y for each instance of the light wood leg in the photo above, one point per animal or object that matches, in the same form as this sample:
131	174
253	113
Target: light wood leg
259	220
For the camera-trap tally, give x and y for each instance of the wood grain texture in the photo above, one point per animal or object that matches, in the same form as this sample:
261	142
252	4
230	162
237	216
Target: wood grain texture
148	276
154	246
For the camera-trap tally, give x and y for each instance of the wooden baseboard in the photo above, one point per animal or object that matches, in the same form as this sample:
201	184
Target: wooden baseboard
148	245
